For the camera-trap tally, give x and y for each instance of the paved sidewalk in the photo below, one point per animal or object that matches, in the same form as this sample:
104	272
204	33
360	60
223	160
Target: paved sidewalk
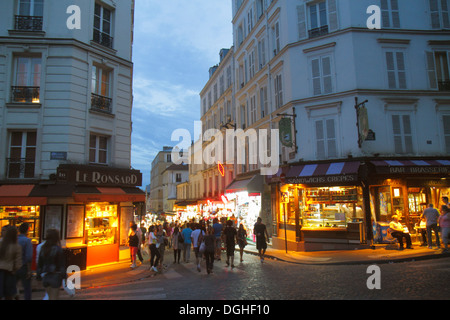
121	273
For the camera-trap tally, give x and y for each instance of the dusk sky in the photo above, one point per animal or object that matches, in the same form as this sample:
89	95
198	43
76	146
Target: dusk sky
175	44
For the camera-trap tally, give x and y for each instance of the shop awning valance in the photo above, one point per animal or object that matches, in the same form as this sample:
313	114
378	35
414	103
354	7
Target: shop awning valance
20	195
98	194
254	184
334	173
412	167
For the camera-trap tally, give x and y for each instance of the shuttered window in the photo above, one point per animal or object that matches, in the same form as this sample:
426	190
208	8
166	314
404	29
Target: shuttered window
439	10
322	80
325	139
402	131
396	70
390	14
446	121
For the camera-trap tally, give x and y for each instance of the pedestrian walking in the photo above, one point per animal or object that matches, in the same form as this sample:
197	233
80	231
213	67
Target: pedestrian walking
444	223
242	240
210	248
161	245
177	244
51	264
10	262
133	243
262	237
197	238
186	234
218	228
154	252
230	239
23	275
431	216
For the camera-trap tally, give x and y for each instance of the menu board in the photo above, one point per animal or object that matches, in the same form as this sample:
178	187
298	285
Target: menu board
75	221
53	218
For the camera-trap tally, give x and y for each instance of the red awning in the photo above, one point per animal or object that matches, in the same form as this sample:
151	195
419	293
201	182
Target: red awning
98	194
18	195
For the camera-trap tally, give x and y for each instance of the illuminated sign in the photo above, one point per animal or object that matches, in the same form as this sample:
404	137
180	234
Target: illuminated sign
221	169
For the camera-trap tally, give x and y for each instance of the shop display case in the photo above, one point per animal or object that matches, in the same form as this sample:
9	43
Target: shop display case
16	215
101	224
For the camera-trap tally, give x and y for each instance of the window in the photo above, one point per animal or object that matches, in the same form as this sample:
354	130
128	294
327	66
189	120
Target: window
401	126
262	53
101	88
29	17
278	91
102	26
27	80
439	14
276	38
251	62
318	22
263	102
98	149
22	155
322	80
438	65
243	116
395	62
178	177
446	122
390	14
326	146
253	115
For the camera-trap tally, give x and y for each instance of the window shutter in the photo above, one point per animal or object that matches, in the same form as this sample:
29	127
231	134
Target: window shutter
316	76
326	70
395	14
446	120
396	126
407	134
331	139
332	16
385	14
401	70
431	69
434	11
320	142
391	70
301	14
445	16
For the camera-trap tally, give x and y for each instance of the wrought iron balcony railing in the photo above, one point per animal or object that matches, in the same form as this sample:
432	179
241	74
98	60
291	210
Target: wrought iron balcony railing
25	94
103	38
20	168
444	85
101	103
317	32
28	23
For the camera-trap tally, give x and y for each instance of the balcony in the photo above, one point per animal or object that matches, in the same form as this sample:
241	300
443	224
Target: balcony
444	85
101	103
20	168
25	94
28	23
317	32
103	38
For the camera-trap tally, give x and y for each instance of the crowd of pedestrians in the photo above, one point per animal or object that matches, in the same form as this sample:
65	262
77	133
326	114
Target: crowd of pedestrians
205	240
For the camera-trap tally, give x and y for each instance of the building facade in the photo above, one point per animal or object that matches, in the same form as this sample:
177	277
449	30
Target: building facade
368	108
65	115
160	163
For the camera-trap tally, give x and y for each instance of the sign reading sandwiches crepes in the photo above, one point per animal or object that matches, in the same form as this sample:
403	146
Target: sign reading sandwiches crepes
97	176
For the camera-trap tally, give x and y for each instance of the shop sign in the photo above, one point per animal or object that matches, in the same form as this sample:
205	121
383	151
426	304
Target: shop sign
87	175
320	180
413	170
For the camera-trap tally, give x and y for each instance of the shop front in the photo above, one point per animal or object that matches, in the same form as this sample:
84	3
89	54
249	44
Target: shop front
320	207
244	198
405	188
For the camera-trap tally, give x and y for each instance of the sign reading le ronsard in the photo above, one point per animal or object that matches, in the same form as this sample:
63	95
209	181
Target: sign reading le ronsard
88	175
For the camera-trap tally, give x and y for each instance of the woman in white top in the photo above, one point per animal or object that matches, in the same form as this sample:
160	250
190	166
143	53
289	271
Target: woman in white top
154	252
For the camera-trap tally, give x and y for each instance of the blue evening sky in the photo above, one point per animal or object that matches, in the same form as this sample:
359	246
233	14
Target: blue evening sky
175	44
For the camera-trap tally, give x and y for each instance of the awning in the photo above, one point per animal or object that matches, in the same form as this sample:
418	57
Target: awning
19	195
99	194
334	173
412	167
254	184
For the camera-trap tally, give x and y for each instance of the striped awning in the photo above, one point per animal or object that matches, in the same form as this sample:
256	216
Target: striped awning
101	194
412	167
19	195
336	173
